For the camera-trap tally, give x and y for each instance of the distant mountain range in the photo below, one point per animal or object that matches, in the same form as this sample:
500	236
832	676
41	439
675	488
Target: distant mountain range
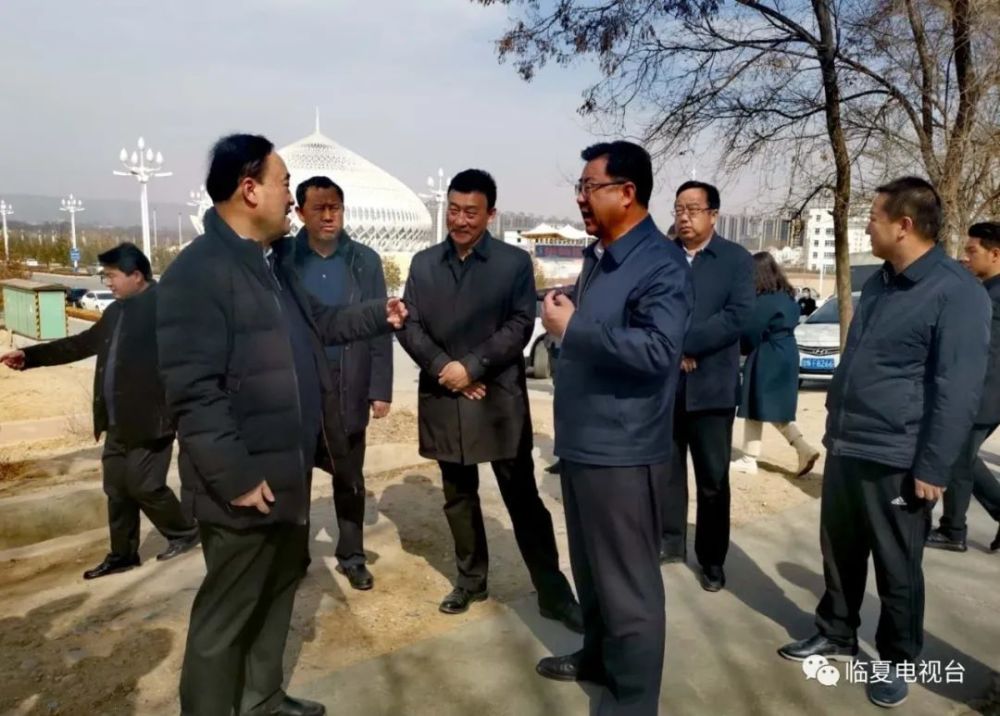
34	209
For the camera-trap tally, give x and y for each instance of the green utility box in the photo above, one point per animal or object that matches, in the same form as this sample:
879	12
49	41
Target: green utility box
35	310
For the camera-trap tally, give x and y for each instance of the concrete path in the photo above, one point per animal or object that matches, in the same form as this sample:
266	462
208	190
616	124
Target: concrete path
720	647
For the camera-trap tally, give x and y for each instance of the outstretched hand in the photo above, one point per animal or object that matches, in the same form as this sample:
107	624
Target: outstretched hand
13	360
396	313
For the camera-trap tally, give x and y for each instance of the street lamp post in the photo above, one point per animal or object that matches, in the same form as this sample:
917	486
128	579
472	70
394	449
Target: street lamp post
439	193
144	165
5	211
73	205
201	202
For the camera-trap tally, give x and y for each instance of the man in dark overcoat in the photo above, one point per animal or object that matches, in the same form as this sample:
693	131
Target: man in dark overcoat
472	310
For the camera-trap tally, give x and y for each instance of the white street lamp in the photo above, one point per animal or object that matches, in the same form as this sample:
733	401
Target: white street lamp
143	164
439	193
72	205
5	211
201	202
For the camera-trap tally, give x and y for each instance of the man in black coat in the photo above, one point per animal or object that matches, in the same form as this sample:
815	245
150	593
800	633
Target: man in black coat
241	354
129	407
473	310
709	386
970	476
899	408
339	271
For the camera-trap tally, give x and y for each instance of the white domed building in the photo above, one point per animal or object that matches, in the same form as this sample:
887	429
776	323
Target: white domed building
379	210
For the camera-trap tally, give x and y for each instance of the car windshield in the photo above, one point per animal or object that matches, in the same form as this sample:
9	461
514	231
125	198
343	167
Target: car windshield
828	312
105	295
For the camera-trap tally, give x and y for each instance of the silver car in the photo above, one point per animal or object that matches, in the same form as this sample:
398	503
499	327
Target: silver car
818	338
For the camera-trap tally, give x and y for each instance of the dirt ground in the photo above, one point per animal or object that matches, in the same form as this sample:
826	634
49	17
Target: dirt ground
114	646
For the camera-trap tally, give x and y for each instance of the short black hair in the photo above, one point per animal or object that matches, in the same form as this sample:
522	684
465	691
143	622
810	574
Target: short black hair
988	233
475	180
628	161
916	198
711	193
233	159
316	182
127	258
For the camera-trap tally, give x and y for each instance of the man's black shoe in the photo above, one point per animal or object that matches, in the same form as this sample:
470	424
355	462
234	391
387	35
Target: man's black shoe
112	564
937	539
359	576
555	468
289	706
569	613
669	555
459	599
995	544
818	645
713	579
569	668
177	547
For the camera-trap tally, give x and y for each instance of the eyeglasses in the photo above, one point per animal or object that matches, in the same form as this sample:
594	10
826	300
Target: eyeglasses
691	211
585	189
105	279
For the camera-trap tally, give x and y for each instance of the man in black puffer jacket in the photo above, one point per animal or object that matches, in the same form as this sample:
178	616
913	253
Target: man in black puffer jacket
129	408
241	354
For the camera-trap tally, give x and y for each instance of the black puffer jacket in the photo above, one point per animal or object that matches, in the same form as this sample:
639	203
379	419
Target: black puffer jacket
228	369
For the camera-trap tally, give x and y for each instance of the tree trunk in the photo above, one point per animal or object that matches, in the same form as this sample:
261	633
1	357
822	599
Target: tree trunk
826	54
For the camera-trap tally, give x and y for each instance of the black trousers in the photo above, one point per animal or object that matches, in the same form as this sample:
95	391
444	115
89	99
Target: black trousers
969	477
135	478
348	499
240	619
531	520
709	436
869	508
613	525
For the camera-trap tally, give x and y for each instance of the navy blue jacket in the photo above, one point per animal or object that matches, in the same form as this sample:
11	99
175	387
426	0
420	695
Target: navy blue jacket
620	355
723	301
365	366
989	405
909	380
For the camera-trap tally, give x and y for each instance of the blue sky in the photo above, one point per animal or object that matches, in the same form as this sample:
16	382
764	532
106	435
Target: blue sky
409	84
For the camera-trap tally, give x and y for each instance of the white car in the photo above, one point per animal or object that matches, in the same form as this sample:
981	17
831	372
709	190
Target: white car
96	300
536	353
818	338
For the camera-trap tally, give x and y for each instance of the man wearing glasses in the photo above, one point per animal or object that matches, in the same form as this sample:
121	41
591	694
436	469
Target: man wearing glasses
339	271
129	407
709	385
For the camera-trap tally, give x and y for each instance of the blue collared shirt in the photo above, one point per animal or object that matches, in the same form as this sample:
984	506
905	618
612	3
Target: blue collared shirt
327	279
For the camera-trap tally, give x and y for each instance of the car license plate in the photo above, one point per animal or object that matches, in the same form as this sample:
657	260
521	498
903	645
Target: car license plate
817	363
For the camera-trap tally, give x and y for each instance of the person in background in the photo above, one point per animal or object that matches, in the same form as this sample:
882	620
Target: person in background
807	304
129	408
970	476
770	388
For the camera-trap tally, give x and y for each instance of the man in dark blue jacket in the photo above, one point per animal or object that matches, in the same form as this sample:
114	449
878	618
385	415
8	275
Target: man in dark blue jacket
899	409
339	271
618	368
709	384
970	476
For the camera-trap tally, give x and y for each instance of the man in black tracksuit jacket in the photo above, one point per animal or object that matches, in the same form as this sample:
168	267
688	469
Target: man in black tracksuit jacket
339	271
129	408
241	353
899	409
970	476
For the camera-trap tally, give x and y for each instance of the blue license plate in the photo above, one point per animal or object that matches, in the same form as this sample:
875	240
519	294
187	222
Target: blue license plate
817	363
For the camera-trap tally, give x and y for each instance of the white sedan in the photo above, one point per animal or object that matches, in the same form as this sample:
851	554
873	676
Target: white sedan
96	300
818	338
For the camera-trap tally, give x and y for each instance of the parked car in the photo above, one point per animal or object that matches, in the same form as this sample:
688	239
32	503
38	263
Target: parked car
96	300
73	296
542	350
31	263
818	338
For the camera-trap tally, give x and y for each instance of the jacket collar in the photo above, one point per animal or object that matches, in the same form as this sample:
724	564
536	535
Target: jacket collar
619	250
916	270
250	253
991	284
712	247
345	245
481	250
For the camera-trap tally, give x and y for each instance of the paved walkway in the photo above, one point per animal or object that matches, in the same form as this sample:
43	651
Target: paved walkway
720	647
